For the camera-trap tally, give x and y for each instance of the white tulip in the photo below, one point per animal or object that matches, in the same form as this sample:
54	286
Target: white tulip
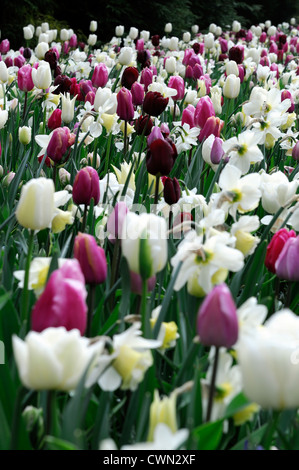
119	30
125	56
93	26
133	33
41	49
3	72
28	34
168	28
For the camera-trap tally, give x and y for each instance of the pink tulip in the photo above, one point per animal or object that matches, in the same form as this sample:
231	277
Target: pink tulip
91	257
125	109
204	109
100	76
86	186
63	301
25	82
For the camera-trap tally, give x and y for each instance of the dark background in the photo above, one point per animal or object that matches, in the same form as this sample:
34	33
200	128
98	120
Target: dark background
143	14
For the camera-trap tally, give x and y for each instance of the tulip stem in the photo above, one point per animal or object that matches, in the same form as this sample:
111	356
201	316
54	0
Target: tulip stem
156	190
49	416
125	138
25	293
25	104
143	306
84	218
212	385
91	303
54	175
108	154
115	262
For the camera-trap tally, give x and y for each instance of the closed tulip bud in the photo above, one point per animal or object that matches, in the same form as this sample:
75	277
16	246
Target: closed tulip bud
36	205
8	178
41	50
168	28
59	144
275	247
209	41
119	30
172	190
287	95
92	39
19	61
217	321
170	65
213	126
137	91
231	87
4	46
295	151
54	120
86	186
67	108
24	135
42	76
125	109
3	72
100	76
125	56
144	243
286	265
146	78
231	67
25	82
64	176
217	151
236	53
160	157
64	35
91	257
129	76
154	103
93	26
188	116
187	37
155	40
62	303
73	40
204	110
178	84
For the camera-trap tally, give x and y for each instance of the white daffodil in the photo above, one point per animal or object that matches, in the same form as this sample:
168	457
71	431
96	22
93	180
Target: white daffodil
164	439
228	384
185	137
276	190
127	363
238	193
111	188
243	150
245	241
205	264
38	273
251	315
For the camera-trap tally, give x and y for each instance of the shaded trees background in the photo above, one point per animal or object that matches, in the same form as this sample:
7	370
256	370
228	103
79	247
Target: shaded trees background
143	14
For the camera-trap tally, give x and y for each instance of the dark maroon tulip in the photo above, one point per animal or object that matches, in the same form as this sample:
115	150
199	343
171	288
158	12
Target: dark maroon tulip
86	186
172	190
129	76
156	40
160	157
143	122
63	84
154	103
236	53
59	146
27	53
137	91
143	57
51	57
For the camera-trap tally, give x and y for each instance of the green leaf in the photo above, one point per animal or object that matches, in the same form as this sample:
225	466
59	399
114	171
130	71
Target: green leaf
208	435
237	404
54	443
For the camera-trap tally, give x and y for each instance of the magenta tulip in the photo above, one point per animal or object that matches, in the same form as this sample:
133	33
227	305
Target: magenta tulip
125	109
25	82
91	257
86	186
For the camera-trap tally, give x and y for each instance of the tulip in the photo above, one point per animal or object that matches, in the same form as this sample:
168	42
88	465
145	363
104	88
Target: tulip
25	82
213	126
217	321
275	247
188	115
73	41
286	265
137	91
93	26
144	243
231	87
24	135
143	125
59	143
160	157
116	220
54	120
178	84
42	76
91	257
4	46
92	39
136	283
236	53
100	76
154	103
86	186
3	72
217	151
168	28
19	61
62	303
204	110
67	108
125	108
125	56
36	205
268	359
172	190
286	94
41	50
146	78
54	359
155	40
129	76
170	65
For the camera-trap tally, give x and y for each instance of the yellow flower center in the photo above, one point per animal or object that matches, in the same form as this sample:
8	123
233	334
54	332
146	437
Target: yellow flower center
223	391
42	278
